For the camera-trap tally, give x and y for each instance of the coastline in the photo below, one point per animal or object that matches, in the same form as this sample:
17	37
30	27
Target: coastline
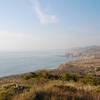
67	66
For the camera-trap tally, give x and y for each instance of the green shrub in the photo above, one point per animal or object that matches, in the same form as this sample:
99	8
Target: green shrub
5	96
68	77
66	88
47	75
90	80
74	77
10	90
30	75
97	89
65	76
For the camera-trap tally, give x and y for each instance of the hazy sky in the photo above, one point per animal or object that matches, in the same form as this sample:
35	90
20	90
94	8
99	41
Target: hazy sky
27	25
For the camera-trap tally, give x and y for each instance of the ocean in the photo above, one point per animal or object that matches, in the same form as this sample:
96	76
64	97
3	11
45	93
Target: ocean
12	63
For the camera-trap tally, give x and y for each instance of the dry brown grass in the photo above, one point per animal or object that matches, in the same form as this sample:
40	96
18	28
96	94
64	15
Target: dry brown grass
43	87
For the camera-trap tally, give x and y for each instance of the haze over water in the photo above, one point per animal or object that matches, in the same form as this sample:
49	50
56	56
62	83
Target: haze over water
21	62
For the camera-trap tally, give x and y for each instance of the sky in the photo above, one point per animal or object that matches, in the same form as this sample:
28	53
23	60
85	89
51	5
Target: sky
27	25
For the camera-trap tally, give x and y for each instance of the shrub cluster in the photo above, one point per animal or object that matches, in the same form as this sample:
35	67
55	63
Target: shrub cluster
52	76
65	76
10	90
90	80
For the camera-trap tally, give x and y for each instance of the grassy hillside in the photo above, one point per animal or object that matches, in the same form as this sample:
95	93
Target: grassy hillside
85	66
50	85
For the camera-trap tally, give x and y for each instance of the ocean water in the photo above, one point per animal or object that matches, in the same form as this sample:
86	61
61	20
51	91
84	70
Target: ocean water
12	63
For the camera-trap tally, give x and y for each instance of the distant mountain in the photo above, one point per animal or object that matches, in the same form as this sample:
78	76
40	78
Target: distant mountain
86	52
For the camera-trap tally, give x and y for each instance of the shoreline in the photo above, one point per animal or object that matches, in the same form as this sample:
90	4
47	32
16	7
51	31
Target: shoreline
71	59
48	69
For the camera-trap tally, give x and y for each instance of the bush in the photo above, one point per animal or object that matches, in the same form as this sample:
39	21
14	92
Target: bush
47	75
30	75
65	76
68	77
97	89
10	90
5	96
66	88
90	80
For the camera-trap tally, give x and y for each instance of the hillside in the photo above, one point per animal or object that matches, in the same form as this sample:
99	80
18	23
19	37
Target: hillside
85	52
85	66
64	83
